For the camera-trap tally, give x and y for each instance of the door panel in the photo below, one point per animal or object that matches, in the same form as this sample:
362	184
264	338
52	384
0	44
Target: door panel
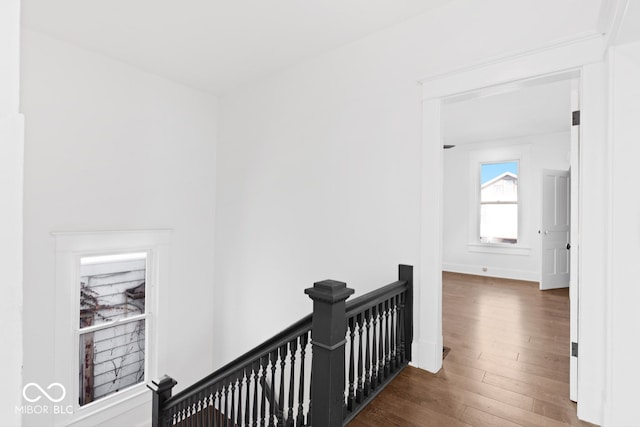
555	230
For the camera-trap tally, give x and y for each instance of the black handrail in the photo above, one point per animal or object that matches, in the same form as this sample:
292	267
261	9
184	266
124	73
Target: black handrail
370	299
378	327
262	350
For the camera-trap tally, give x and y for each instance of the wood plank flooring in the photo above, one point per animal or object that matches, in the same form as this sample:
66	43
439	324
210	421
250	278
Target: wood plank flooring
508	364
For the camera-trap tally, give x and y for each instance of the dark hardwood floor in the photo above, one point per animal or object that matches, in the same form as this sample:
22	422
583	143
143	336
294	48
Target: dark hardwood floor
508	364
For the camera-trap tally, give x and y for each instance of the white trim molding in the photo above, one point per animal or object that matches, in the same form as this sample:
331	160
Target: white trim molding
556	58
504	273
70	247
496	248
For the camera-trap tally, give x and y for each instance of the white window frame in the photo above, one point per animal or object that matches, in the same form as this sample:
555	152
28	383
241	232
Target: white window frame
70	248
499	154
479	205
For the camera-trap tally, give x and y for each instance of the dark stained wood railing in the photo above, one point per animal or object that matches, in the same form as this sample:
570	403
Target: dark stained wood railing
380	335
368	338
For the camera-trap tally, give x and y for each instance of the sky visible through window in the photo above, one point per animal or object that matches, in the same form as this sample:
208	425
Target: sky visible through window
491	170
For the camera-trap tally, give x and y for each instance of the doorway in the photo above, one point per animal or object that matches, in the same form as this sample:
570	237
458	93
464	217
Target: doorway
506	206
433	222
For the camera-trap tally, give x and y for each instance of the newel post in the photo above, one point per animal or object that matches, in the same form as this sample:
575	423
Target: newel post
405	274
328	331
161	392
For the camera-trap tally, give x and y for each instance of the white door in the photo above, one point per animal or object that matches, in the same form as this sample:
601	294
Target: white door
556	222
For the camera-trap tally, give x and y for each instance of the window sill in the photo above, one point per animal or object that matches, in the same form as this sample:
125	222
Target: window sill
497	248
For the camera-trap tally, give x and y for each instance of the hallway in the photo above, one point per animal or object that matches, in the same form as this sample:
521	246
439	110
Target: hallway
508	363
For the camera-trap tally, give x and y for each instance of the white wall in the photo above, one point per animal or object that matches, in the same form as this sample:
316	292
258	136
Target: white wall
11	169
549	151
319	165
109	147
623	315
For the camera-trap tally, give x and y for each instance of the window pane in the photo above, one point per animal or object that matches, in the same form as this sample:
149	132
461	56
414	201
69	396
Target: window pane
111	359
111	288
499	202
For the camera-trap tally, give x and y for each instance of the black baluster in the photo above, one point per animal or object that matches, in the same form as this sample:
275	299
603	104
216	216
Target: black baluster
400	320
399	333
399	360
272	403
217	406
194	414
283	361
247	379
360	392
386	339
381	375
303	348
310	412
393	333
202	419
210	409
241	382
254	376
263	384
232	418
223	414
293	348
367	358
351	398
207	419
374	352
203	409
198	420
223	408
187	413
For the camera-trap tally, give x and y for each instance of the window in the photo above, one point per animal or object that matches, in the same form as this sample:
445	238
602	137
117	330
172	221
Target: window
499	202
107	317
112	324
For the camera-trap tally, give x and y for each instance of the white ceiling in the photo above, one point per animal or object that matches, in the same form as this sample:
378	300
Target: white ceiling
214	45
533	110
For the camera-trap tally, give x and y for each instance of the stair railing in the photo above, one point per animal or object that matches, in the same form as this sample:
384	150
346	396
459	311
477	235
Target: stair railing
282	383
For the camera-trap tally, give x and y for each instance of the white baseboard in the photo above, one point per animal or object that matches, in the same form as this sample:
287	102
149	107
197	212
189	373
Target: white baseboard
505	273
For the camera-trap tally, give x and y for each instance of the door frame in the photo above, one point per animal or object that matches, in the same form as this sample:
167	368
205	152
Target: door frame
556	61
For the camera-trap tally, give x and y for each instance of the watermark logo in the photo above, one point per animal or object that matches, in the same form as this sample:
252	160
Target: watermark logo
54	393
63	392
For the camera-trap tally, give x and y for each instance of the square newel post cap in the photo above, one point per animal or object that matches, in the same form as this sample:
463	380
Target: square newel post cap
329	291
163	384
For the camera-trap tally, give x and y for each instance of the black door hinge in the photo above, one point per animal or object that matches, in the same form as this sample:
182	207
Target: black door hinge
575	121
574	349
